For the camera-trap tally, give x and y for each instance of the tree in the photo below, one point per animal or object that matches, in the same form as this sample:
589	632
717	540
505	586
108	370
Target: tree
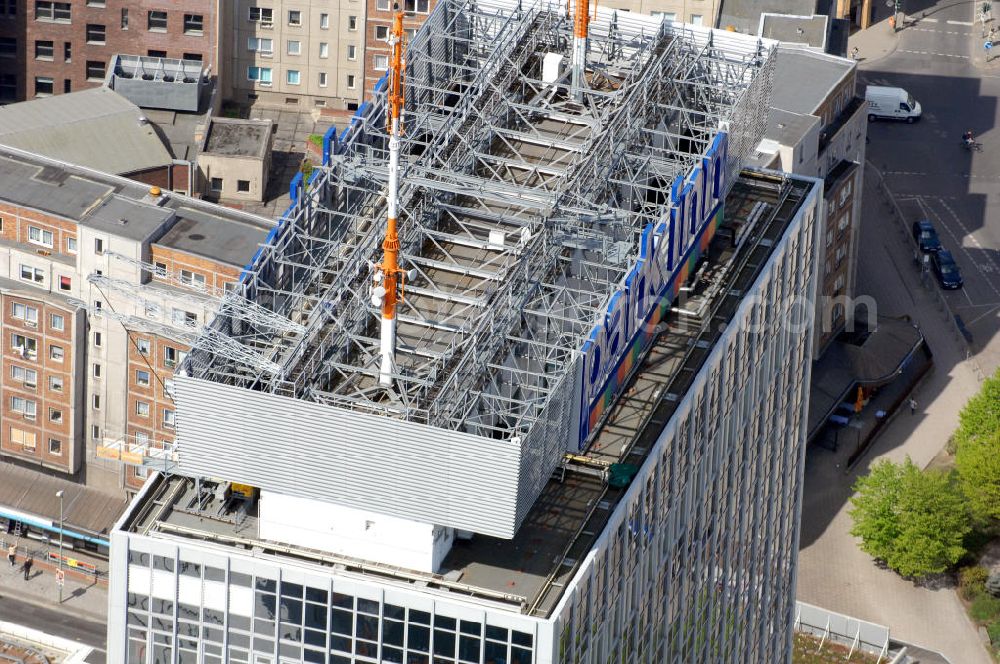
913	521
977	450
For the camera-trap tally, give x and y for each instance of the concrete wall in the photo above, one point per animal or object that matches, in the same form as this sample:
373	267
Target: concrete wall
231	170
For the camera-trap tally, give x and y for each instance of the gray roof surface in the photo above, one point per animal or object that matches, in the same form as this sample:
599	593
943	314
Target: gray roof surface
744	15
803	78
49	189
238	138
809	30
224	240
128	218
96	128
784	128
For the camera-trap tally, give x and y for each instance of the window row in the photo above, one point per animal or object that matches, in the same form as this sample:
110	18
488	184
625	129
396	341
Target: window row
156	20
27	440
27	347
29	315
263	76
265	47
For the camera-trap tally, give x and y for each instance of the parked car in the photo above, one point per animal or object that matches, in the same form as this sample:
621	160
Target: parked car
946	270
926	237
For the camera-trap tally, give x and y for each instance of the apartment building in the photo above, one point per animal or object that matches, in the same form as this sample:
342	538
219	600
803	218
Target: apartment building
695	12
301	54
818	127
379	23
104	284
60	47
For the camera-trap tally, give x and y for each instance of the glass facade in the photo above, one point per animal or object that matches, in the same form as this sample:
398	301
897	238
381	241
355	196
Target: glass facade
189	612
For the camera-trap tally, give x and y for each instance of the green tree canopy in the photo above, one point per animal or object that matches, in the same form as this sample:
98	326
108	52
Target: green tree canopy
977	453
914	521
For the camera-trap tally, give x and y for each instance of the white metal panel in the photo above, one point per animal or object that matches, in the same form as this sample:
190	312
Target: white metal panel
215	595
384	465
164	584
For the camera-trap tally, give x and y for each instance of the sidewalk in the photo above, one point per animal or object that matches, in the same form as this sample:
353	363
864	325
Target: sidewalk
833	572
877	42
82	596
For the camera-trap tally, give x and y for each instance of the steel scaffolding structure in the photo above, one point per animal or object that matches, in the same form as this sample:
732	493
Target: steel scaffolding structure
520	208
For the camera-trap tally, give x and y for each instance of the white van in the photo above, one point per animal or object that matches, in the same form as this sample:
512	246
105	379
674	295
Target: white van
891	103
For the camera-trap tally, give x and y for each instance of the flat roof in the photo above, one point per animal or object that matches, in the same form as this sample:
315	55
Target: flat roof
744	15
803	78
810	30
231	137
101	201
529	572
214	237
784	128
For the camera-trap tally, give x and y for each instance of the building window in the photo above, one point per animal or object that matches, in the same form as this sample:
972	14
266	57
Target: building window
156	21
25	439
193	278
352	22
96	402
142	409
57	322
55	415
124	18
382	32
96	33
52	11
381	62
171	356
98	246
98	339
696	19
25	407
25	313
324	21
260	45
68	51
294	17
65	283
8	87
216	184
55	447
71	245
261	15
43	86
195	57
25	346
351	81
418	6
142	378
95	432
294	47
142	345
242	186
260	74
153	53
56	353
34	274
160	269
322	79
194	24
44	50
352	52
324	50
168	418
55	383
23	375
181	317
39	236
292	76
95	70
382	5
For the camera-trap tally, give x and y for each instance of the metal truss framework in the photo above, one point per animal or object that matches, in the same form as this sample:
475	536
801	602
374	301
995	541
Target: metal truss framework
521	212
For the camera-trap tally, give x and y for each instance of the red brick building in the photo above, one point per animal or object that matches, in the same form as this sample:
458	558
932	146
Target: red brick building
49	47
377	27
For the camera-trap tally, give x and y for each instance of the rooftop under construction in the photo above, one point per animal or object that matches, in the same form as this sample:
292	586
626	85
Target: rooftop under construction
521	199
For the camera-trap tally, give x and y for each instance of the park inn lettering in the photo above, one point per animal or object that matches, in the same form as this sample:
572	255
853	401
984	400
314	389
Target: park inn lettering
668	252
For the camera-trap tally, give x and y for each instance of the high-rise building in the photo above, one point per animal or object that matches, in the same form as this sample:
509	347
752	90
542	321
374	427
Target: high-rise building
586	444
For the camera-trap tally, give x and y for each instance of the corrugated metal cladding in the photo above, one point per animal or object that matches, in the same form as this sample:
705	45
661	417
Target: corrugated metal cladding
311	450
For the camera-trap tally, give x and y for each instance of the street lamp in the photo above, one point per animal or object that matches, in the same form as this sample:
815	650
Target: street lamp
59	495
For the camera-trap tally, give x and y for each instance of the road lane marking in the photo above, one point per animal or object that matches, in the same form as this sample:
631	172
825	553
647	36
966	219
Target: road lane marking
950	22
942	32
965	250
940	55
927	20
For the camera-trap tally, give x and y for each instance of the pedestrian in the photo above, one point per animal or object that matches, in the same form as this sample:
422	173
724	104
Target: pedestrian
12	554
27	568
913	406
854	53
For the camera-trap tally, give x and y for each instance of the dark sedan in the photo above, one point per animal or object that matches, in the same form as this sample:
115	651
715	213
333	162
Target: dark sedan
926	237
946	270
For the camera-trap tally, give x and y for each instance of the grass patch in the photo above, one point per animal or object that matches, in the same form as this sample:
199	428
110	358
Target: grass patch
806	650
316	139
985	608
972	581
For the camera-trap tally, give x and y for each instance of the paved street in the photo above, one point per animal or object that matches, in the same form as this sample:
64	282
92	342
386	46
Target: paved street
54	622
931	176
